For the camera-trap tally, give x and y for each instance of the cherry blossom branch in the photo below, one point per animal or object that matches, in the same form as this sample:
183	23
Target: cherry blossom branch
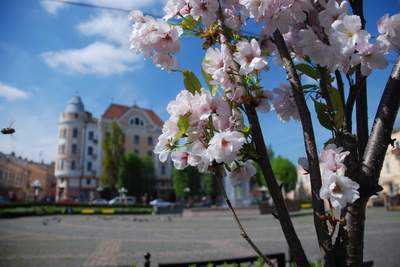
243	232
283	215
324	239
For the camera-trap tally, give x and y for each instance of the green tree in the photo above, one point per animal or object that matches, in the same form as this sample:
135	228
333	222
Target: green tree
136	175
112	154
199	184
285	172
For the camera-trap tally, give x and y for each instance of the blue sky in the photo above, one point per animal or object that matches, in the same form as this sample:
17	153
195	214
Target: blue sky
49	52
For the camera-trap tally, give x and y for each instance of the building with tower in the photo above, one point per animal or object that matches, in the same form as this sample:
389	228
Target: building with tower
78	163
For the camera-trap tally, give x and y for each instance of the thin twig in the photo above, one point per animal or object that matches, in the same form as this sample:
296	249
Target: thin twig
243	232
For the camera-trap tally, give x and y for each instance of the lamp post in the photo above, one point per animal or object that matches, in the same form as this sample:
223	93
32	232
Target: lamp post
37	186
122	192
187	192
263	189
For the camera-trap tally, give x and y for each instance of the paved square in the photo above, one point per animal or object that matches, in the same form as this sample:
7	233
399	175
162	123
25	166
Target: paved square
122	240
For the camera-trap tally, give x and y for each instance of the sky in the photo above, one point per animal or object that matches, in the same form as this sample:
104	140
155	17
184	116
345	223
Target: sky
50	52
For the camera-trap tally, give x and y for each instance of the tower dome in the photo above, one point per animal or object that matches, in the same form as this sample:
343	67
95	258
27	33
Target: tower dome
74	105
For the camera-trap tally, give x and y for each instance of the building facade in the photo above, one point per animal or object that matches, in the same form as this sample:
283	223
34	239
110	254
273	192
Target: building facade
78	163
17	176
141	129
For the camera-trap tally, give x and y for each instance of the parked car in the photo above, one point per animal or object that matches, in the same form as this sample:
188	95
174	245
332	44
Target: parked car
99	201
128	200
3	200
161	203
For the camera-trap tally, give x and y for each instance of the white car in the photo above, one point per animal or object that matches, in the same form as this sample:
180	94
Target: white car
161	203
122	201
99	201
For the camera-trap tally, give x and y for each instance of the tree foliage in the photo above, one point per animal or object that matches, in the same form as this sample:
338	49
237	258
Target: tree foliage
285	172
199	184
136	175
113	152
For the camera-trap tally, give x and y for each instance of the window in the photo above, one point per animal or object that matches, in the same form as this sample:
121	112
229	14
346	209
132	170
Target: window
75	133
150	140
150	153
1	174
73	149
61	167
137	121
73	165
91	135
89	166
61	149
64	134
136	151
136	139
90	150
163	169
87	181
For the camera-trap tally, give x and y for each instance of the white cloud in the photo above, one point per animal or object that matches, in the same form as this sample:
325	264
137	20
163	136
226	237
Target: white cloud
52	7
112	27
97	58
11	93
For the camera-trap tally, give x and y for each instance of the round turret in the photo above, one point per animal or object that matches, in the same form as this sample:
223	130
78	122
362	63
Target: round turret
74	105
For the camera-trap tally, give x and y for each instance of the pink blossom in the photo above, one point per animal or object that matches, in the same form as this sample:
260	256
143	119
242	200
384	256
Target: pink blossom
224	146
284	103
206	9
173	7
332	159
242	172
249	57
389	29
180	159
333	11
264	104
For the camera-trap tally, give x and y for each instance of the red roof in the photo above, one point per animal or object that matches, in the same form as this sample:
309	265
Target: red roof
115	111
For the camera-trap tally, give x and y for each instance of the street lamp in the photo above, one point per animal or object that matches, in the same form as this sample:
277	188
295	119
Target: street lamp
263	189
122	192
36	188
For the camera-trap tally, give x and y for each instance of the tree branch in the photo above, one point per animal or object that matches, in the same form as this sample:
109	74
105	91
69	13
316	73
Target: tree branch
361	84
324	239
275	191
381	133
243	232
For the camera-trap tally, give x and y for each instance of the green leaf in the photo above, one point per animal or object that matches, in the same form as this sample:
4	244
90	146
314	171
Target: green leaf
189	23
322	114
337	106
208	78
308	70
192	83
183	125
246	130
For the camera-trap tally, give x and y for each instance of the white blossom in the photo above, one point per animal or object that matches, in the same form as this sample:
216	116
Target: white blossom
332	159
206	9
180	159
340	190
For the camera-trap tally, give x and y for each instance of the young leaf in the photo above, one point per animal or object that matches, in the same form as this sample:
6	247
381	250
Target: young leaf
192	83
183	125
322	114
337	106
308	70
208	78
189	23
